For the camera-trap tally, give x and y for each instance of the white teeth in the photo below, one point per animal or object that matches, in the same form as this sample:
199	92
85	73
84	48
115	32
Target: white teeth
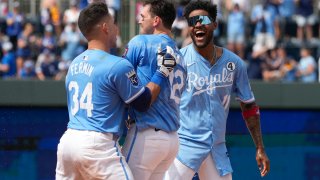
198	32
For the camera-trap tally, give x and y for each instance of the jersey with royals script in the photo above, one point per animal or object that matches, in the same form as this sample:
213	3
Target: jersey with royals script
205	106
164	112
99	85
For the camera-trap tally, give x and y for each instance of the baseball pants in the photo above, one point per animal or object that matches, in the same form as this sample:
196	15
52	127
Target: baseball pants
207	171
90	155
150	152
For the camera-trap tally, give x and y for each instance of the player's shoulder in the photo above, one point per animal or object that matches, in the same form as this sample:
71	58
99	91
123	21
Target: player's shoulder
230	59
186	49
118	61
140	38
231	56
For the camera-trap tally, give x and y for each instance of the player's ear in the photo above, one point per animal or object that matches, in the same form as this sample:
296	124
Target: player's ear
215	25
157	20
105	28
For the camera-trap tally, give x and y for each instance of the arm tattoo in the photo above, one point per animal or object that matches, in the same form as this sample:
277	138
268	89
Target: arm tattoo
253	125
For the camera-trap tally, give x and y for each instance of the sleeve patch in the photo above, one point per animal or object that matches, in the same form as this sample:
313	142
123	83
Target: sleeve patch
132	76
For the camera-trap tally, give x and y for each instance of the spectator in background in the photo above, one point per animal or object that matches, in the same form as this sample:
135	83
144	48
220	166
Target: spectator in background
50	15
8	61
219	4
83	4
72	42
71	14
46	65
305	19
288	68
180	24
236	31
187	38
319	29
278	66
307	67
23	50
271	66
114	8
286	11
266	27
15	22
49	39
244	5
28	70
63	70
3	14
255	64
55	17
45	16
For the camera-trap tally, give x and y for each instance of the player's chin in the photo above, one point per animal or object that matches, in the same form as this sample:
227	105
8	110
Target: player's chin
200	44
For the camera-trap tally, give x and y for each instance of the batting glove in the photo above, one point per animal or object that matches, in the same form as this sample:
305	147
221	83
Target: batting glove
166	61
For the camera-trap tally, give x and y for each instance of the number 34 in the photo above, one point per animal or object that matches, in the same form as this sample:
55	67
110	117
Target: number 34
85	101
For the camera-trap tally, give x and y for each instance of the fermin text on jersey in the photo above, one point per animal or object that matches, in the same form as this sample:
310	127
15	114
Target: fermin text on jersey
82	67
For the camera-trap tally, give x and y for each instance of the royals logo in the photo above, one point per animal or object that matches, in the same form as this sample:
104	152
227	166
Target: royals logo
208	84
132	76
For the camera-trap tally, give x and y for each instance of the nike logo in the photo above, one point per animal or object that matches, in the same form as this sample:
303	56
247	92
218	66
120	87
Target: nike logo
190	64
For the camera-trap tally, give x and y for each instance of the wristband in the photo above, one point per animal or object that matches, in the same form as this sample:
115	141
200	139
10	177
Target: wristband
254	111
158	78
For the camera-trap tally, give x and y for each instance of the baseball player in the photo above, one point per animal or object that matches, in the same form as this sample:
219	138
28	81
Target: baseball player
213	74
99	88
152	141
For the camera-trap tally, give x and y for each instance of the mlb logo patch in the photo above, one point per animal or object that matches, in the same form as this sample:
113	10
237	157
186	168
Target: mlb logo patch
132	76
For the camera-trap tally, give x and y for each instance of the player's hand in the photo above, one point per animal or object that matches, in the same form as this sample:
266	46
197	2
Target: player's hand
166	61
262	161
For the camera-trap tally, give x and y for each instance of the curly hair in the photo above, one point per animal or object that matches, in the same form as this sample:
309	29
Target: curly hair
164	9
202	5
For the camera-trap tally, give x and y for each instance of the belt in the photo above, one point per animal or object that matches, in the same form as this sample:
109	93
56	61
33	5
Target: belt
130	122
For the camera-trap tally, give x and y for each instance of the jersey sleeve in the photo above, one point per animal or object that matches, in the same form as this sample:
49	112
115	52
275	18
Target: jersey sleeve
134	51
126	81
243	90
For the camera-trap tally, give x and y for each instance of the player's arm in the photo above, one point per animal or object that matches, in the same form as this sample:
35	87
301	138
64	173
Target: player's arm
251	115
150	94
166	63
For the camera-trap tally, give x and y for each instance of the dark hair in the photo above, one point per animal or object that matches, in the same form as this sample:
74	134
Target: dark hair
202	5
164	9
92	15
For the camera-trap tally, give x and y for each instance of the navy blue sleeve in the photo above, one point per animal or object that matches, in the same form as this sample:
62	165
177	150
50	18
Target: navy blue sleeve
142	103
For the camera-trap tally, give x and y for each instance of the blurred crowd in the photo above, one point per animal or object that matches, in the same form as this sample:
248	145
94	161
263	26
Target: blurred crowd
279	39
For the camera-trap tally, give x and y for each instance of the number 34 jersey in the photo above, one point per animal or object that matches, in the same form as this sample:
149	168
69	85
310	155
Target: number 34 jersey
99	85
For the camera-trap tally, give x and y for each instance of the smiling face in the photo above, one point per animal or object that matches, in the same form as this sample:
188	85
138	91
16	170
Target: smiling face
201	33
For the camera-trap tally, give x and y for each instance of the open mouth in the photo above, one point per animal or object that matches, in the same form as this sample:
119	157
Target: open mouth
200	34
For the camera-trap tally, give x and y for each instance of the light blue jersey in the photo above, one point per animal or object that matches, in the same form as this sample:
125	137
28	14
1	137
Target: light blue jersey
164	112
99	85
205	106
